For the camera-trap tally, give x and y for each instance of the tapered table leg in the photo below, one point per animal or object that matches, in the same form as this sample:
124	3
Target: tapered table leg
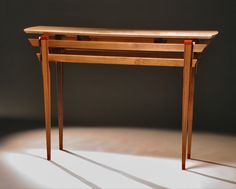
188	51
59	71
190	112
47	91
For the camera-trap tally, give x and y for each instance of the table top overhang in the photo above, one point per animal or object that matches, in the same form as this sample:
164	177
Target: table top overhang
120	46
83	31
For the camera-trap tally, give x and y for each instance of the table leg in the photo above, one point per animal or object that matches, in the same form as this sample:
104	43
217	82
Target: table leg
59	71
47	91
190	113
188	51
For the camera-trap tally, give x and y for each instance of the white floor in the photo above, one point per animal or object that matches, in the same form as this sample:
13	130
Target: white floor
117	158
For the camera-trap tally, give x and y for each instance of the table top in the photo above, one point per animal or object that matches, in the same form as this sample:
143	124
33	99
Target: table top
83	31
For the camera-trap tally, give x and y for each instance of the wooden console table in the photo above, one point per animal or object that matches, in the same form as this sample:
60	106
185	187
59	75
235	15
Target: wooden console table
119	46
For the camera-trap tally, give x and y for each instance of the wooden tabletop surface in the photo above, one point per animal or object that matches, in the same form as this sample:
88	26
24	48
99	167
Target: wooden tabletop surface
186	34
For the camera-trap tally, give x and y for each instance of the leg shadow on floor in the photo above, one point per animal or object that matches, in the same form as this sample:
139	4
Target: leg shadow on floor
142	181
212	177
90	184
209	164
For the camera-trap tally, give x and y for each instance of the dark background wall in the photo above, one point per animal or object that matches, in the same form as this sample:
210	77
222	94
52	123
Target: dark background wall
113	95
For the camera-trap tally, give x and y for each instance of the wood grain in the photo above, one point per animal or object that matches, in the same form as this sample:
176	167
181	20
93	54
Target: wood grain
185	101
59	74
56	30
190	111
134	46
92	59
47	94
120	47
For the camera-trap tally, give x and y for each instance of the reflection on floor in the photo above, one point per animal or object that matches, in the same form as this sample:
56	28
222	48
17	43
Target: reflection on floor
117	158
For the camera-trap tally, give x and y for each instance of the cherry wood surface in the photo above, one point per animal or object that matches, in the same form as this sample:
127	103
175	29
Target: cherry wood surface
185	34
173	48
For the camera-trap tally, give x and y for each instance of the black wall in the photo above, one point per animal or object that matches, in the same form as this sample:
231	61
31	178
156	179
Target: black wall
114	95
